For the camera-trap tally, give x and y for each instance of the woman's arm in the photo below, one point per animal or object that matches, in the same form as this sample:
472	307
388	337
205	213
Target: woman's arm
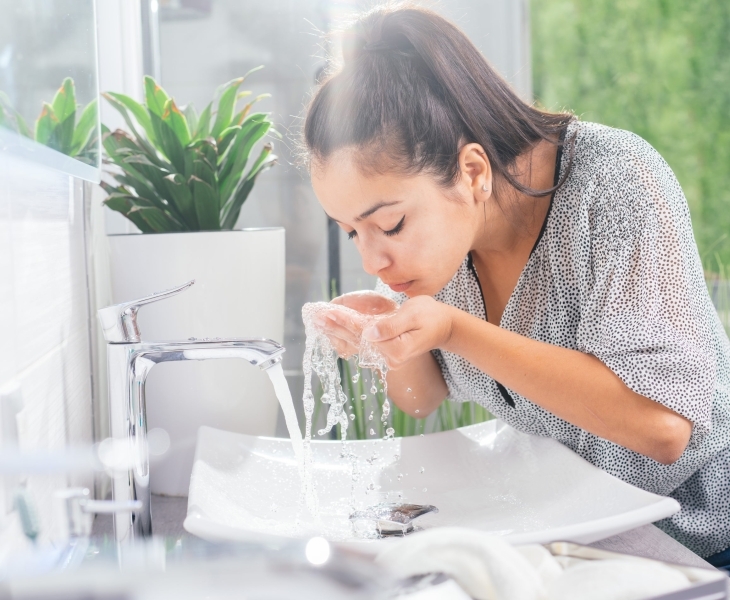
418	387
574	386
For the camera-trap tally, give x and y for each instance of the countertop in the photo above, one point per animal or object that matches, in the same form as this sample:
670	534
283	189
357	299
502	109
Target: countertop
168	514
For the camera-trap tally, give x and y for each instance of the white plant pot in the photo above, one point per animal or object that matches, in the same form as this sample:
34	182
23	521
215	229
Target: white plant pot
238	292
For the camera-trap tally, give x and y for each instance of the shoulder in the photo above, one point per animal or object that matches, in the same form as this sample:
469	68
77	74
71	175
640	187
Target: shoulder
601	142
608	155
618	174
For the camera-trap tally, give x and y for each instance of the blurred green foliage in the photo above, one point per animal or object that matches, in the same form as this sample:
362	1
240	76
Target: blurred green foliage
659	68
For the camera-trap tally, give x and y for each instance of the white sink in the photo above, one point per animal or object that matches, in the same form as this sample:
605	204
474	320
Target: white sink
488	476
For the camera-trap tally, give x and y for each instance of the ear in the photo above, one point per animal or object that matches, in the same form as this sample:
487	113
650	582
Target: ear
476	171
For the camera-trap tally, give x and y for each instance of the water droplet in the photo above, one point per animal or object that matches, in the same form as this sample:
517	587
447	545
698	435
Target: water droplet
352	417
355	377
423	470
417	411
421	435
389	433
372	431
425	489
373	389
380	380
400	476
364	397
370	418
381	390
409	390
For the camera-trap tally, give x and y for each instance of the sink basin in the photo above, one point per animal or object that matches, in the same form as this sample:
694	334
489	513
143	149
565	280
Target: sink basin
487	476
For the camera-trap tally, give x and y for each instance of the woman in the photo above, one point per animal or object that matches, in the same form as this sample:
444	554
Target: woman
544	267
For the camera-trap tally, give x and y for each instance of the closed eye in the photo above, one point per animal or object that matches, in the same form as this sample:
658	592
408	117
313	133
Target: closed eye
397	229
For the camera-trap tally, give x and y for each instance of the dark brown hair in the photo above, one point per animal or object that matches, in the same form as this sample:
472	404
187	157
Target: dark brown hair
413	89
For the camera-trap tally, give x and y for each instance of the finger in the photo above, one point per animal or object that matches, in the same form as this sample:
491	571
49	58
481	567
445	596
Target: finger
342	348
342	327
398	350
367	302
390	327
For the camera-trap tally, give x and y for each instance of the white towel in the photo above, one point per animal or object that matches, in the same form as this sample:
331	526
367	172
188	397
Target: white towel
487	567
616	579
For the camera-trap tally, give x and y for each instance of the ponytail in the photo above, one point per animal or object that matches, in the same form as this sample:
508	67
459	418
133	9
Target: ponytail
413	89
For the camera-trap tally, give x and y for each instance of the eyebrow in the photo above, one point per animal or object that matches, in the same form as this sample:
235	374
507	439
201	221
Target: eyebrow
376	207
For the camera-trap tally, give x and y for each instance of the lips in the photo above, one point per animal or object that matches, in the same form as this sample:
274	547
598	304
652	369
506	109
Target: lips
400	287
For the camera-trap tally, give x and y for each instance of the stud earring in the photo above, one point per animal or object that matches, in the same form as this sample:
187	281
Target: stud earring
485	188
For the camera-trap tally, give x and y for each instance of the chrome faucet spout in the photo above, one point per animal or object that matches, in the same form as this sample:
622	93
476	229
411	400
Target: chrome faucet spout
129	361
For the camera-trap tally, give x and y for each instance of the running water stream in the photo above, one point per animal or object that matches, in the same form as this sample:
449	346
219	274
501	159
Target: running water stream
320	357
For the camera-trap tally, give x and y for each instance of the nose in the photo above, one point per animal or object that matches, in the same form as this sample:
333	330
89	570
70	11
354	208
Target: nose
374	260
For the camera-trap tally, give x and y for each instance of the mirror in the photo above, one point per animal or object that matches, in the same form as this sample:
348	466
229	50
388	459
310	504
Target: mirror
48	84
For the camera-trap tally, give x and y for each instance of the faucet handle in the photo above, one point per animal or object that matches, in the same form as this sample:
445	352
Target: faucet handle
119	321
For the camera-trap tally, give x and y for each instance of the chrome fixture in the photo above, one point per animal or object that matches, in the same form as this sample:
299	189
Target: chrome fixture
129	361
392	519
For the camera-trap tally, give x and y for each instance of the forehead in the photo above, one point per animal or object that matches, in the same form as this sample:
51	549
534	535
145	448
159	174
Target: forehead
348	176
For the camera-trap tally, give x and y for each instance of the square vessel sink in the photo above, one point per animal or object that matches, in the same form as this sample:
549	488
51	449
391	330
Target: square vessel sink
487	476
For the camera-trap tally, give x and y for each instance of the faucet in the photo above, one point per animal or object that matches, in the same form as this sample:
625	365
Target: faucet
129	361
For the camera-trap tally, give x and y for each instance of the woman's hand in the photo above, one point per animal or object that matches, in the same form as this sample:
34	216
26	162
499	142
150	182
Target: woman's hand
421	324
343	329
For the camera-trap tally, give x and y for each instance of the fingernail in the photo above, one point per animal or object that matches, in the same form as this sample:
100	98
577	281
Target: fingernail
371	333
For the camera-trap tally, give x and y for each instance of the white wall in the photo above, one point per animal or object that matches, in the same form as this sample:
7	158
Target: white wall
44	320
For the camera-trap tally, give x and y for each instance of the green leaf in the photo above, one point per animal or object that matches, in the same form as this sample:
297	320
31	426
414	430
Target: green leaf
237	156
177	122
226	105
232	210
155	97
138	111
124	205
206	205
122	109
243	113
182	198
46	123
191	115
203	170
64	102
61	137
14	119
202	131
169	143
85	127
225	139
145	177
158	220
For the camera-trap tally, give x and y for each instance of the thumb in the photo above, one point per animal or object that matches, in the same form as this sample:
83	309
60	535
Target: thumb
386	328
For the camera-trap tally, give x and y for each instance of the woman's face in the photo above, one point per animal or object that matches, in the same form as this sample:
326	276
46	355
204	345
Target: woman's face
410	232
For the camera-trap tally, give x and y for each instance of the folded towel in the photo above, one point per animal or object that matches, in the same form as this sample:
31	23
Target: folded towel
616	580
487	567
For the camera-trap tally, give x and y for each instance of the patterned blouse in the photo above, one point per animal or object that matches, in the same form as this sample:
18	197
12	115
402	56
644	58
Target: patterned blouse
616	274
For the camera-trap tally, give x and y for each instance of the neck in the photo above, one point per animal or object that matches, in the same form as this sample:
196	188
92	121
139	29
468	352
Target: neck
512	220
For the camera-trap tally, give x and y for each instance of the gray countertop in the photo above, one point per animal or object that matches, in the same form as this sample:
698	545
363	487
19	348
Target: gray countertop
168	514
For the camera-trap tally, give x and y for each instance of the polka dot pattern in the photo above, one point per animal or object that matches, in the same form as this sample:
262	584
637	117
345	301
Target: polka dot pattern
616	274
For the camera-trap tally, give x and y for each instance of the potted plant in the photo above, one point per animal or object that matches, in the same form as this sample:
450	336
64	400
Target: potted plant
182	178
62	124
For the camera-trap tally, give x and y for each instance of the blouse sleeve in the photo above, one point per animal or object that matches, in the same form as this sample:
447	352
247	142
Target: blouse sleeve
643	309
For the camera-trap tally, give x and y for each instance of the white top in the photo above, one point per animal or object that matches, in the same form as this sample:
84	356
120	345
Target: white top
616	274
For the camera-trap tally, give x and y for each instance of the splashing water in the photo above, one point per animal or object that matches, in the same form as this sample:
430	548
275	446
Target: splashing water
321	357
